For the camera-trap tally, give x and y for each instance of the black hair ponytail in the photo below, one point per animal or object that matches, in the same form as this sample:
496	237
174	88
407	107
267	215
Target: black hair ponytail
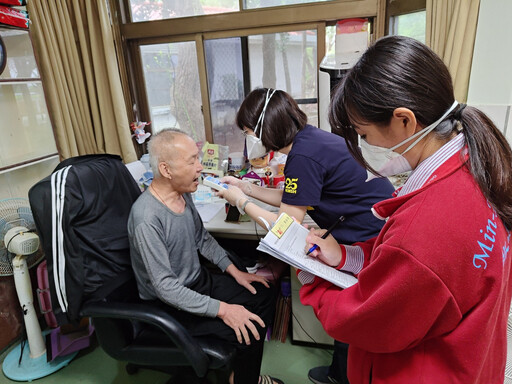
490	161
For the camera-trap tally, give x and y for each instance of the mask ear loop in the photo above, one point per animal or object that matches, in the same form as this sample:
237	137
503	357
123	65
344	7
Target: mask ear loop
425	131
259	124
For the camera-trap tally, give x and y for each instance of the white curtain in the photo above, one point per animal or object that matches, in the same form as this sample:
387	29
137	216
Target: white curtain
451	32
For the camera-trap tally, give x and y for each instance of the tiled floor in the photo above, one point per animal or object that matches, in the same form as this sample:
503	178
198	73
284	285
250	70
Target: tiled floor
286	361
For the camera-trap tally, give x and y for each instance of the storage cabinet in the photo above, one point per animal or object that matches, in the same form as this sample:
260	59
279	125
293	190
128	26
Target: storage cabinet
28	153
27	144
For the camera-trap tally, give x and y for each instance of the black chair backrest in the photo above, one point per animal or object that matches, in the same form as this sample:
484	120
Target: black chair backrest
81	211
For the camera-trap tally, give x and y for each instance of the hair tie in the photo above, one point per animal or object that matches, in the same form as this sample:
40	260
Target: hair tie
458	113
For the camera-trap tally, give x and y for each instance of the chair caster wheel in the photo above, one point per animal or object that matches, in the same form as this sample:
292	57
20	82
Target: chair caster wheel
131	369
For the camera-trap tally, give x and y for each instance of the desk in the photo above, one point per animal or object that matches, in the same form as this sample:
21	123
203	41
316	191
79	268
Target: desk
246	230
218	227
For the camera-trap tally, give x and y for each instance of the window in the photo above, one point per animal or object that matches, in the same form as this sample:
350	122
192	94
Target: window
226	77
287	61
251	4
330	40
27	145
407	18
235	66
193	73
172	87
144	10
411	25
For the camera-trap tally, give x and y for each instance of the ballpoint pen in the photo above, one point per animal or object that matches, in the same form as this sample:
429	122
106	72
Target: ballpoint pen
331	228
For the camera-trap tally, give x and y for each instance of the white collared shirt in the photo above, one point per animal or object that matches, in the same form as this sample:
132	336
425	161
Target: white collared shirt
428	166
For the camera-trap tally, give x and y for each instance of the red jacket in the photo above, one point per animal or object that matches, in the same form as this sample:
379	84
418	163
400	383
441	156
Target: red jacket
433	297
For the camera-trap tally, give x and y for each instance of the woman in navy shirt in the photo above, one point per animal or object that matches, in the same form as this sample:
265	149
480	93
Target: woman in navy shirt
321	176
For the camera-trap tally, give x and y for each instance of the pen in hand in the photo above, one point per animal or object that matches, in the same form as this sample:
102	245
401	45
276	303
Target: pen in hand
327	233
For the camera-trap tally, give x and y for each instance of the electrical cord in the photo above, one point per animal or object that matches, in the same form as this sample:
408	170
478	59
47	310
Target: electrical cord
256	231
17	234
289	305
23	343
9	242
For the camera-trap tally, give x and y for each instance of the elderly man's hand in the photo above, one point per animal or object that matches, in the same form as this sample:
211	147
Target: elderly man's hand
241	320
246	279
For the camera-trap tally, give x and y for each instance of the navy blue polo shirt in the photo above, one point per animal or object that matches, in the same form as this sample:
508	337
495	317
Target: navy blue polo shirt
320	173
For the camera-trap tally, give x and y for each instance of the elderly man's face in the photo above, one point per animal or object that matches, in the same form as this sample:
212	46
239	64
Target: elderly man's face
185	166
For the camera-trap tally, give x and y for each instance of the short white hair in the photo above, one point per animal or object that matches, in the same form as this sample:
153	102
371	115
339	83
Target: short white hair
160	147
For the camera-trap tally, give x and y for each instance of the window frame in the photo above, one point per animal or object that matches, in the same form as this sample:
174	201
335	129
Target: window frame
243	23
402	7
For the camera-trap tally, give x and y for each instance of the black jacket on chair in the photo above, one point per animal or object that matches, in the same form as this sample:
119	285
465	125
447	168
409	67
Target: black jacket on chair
81	211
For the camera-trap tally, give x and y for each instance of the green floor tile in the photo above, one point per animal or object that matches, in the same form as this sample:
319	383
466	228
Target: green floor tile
286	361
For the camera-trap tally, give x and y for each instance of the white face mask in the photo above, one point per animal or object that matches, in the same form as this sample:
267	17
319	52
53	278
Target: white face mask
389	163
255	148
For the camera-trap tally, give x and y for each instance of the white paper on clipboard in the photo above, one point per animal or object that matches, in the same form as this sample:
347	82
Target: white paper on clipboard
286	241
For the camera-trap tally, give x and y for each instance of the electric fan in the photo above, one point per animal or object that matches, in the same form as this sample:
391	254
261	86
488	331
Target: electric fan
19	250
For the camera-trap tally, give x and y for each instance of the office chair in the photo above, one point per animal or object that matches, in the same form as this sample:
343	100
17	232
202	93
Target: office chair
81	211
147	336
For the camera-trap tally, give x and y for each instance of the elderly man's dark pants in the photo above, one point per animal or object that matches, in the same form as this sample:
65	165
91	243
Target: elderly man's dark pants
225	288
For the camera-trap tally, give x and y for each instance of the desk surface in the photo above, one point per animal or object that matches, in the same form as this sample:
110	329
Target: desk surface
218	226
247	230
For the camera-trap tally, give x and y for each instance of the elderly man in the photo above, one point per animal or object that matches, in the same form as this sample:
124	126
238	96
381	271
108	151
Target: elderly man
166	238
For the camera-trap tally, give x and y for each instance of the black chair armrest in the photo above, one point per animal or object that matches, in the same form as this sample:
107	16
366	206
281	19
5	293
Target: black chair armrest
153	315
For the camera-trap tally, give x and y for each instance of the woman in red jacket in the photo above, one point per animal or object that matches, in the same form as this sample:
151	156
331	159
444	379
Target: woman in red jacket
434	291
